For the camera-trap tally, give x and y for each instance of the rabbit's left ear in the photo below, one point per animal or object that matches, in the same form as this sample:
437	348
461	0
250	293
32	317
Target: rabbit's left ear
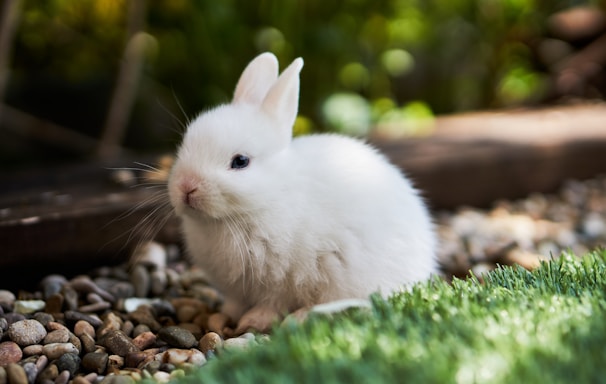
256	79
282	100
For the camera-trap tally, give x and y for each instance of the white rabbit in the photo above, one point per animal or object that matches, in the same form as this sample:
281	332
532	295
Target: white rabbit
282	224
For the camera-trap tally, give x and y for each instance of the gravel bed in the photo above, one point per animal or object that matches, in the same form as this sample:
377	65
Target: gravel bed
157	316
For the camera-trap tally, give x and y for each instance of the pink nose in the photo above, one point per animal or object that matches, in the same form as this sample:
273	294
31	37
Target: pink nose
188	196
188	187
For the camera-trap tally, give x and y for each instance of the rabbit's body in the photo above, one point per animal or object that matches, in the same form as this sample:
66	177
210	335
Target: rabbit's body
303	222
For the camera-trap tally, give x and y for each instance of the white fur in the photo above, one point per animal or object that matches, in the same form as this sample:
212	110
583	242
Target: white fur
310	220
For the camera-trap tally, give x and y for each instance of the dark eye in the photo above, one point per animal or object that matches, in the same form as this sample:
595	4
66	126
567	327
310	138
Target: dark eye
239	161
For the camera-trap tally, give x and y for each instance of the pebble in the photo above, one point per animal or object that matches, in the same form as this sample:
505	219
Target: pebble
55	350
83	327
16	374
27	307
52	285
140	280
7	298
10	352
95	362
26	332
237	343
145	340
31	371
68	362
177	337
118	343
210	342
57	336
177	356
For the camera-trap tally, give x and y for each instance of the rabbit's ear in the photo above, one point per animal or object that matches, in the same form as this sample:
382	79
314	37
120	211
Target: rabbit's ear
256	79
282	100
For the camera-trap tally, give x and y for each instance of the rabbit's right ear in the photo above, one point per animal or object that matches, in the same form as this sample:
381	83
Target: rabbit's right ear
258	76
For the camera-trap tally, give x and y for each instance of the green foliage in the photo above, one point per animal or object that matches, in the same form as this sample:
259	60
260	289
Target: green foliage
518	326
445	55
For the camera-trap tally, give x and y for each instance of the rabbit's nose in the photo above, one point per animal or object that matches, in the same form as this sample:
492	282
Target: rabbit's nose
188	195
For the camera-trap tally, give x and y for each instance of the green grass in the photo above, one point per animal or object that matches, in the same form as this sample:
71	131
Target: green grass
545	326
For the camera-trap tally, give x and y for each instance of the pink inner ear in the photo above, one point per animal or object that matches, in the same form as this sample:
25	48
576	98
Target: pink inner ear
256	79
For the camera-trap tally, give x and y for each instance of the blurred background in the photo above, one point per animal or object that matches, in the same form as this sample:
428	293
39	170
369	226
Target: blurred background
95	78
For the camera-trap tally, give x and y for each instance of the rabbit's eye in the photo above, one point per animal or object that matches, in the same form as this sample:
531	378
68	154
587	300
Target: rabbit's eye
239	161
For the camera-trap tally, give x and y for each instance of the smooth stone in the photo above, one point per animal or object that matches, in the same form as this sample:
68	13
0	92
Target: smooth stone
177	337
13	317
88	342
10	352
145	340
43	318
122	289
31	371
158	282
52	284
27	307
3	377
86	285
95	362
114	363
75	316
68	362
7	298
35	349
127	327
49	373
95	307
144	315
63	377
132	304
139	329
57	336
26	332
141	280
180	356
210	342
55	350
118	343
82	327
70	298
237	343
16	374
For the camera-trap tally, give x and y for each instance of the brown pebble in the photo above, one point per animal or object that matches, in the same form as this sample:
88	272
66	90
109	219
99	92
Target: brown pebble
82	326
111	322
3	378
49	373
144	315
54	326
138	359
210	342
195	329
31	350
16	374
114	363
88	342
145	340
75	340
80	380
118	343
57	336
128	327
10	352
95	362
85	284
201	320
63	377
55	350
70	298
91	319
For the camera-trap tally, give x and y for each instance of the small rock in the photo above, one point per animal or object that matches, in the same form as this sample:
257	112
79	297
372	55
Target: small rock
91	319
31	371
95	307
49	373
10	352
88	342
237	343
57	336
54	303
118	343
86	285
111	322
28	306
68	362
82	327
177	337
52	284
63	377
158	282
210	342
16	374
43	318
32	350
145	340
122	289
95	362
139	329
144	315
70	297
179	356
141	280
3	376
55	350
114	363
26	332
7	298
217	322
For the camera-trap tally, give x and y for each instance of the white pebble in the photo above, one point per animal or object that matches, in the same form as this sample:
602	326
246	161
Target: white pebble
28	306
